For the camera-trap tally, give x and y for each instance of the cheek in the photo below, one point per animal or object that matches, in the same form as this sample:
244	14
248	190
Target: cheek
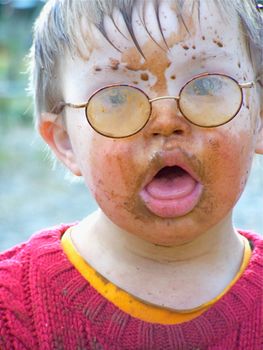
112	174
227	164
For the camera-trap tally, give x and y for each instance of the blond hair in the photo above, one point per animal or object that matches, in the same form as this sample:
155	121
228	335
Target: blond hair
58	30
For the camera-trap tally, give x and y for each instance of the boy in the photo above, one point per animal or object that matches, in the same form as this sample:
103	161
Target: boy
157	105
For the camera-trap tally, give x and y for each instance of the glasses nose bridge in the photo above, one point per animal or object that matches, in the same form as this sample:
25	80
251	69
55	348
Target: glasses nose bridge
159	98
166	106
167	119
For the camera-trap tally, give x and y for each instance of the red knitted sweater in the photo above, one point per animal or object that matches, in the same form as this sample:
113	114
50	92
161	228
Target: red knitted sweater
46	304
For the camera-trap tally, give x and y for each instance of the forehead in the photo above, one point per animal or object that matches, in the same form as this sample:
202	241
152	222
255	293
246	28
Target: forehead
165	23
164	42
164	34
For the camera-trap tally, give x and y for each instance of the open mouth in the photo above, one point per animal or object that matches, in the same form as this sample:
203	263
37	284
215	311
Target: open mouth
170	171
171	182
172	192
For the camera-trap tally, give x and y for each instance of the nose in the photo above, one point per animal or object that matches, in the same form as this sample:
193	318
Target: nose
166	119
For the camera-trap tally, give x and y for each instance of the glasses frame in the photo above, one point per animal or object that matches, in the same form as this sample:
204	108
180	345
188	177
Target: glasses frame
241	86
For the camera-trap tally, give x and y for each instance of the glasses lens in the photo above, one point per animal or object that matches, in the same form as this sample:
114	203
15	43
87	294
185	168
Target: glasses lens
210	100
118	111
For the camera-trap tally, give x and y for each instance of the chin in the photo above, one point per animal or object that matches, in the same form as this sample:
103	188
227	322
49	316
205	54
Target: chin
164	232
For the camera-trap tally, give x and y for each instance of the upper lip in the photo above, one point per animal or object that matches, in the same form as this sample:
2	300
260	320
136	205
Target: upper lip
177	158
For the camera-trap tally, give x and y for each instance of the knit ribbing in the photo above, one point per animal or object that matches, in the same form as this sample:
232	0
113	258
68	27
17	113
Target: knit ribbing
46	304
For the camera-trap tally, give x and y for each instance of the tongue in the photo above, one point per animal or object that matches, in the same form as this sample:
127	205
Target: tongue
171	186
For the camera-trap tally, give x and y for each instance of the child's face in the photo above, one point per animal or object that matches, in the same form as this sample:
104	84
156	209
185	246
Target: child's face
179	205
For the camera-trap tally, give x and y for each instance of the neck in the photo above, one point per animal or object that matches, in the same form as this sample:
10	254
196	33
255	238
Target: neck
202	268
216	243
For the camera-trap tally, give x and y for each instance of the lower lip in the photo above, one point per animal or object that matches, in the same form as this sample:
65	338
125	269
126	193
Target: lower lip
172	207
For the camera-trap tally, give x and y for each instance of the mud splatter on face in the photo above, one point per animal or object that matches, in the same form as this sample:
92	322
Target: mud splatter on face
218	43
134	62
193	47
239	65
114	64
173	77
144	76
97	69
203	37
193	57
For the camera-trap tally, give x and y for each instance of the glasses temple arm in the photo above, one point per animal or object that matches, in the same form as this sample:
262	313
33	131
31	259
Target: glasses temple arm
72	105
247	85
58	108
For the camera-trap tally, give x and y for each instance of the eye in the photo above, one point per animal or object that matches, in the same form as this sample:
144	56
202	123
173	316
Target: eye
116	97
205	86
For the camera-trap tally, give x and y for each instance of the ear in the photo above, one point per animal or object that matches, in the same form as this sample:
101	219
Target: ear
53	130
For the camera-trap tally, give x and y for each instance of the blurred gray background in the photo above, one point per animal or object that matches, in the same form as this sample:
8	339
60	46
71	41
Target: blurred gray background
32	195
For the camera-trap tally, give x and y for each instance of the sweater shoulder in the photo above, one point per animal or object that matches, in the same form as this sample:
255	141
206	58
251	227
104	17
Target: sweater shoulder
256	243
13	262
255	238
12	259
17	266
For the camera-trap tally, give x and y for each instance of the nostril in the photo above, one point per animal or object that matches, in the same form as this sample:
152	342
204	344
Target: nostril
175	132
178	132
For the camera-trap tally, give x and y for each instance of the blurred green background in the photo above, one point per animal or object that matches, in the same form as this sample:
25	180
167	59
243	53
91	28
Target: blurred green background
16	19
32	194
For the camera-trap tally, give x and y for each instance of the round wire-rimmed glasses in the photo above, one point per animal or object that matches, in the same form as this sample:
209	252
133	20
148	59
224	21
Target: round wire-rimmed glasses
121	110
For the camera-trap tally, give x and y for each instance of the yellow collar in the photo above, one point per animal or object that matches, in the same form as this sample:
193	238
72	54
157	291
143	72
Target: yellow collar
134	306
